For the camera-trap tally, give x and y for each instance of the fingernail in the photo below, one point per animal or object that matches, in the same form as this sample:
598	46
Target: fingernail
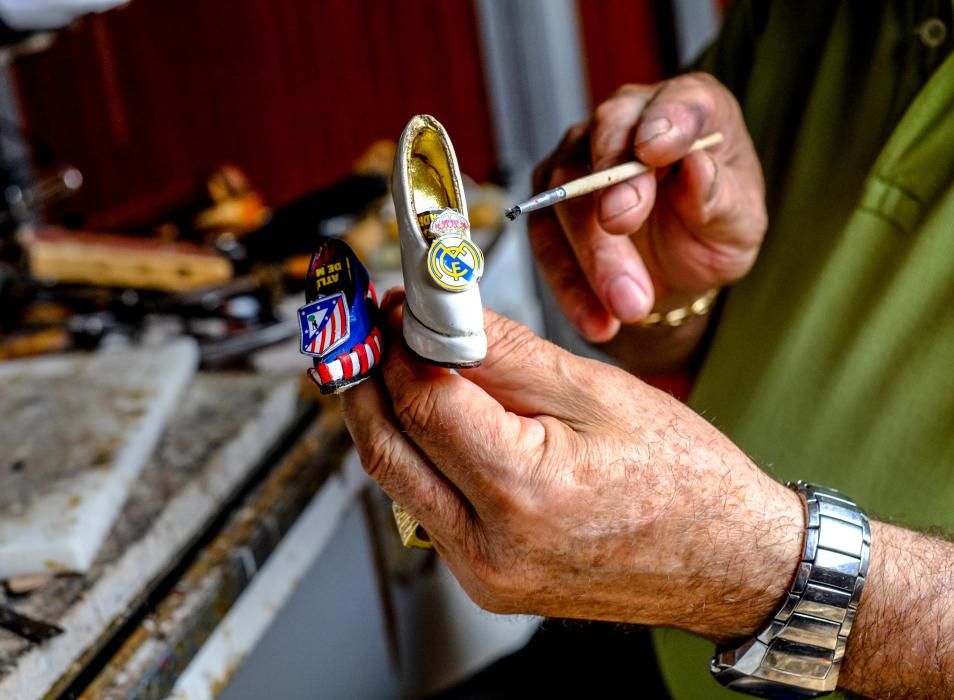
627	301
618	200
652	129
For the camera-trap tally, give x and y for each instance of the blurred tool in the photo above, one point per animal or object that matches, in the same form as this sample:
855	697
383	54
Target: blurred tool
229	320
21	204
27	628
597	181
221	210
235	207
296	227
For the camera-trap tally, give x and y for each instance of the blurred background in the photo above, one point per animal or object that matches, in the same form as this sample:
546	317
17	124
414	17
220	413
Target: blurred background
167	168
147	99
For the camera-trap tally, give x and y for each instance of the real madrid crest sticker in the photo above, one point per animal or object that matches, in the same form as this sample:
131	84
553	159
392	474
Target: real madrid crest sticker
454	262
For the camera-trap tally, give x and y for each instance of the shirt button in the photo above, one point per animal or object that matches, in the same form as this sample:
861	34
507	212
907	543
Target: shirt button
932	32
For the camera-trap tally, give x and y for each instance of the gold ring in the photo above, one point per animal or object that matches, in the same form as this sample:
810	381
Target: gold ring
411	532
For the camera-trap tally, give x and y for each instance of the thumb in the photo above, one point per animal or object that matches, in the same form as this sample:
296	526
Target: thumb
531	376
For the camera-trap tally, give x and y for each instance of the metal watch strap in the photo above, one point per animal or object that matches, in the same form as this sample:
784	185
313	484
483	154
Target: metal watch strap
799	654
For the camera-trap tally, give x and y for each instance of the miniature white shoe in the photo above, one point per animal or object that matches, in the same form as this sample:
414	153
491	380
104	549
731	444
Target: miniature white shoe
443	315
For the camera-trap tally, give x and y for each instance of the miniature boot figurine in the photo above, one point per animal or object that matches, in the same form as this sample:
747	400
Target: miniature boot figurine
443	316
339	322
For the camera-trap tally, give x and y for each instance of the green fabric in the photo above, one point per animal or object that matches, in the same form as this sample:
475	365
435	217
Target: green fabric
833	360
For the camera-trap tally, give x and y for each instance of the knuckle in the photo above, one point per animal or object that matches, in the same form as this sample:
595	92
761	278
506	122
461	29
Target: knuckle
575	133
632	91
558	176
743	214
510	339
379	455
697	111
415	410
608	112
696	79
724	263
729	207
712	97
701	93
703	85
605	256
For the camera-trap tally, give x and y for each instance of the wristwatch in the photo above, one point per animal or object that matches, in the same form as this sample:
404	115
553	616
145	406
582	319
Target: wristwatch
799	653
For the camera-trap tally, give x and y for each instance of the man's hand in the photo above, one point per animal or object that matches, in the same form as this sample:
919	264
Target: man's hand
560	486
556	485
661	239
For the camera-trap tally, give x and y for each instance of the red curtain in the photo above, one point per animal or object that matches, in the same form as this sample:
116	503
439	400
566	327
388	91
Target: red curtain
621	44
146	99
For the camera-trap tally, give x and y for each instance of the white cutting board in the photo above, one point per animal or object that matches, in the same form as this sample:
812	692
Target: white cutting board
75	431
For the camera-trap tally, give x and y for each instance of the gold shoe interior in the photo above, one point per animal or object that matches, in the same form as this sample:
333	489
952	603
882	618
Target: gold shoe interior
430	178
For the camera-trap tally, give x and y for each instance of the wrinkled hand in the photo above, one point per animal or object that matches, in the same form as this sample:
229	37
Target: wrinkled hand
663	238
557	485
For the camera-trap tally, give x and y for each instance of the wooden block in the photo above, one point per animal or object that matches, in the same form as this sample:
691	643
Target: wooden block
59	255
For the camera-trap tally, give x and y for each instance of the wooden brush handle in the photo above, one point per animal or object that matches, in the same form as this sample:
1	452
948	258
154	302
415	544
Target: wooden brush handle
624	171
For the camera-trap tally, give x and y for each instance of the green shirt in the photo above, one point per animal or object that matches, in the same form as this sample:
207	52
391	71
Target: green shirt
833	360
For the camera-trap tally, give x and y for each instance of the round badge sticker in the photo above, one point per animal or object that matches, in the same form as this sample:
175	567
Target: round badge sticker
454	262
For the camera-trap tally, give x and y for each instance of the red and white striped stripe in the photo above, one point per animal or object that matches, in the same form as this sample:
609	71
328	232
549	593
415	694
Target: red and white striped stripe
348	365
335	327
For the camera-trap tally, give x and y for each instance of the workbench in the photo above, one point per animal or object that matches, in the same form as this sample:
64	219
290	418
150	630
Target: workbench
240	461
249	486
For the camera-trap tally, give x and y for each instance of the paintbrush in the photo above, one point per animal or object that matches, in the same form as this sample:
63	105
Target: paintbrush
597	181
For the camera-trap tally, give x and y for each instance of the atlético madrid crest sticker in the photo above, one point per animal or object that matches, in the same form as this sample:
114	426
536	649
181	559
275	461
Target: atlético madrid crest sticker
325	325
454	262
